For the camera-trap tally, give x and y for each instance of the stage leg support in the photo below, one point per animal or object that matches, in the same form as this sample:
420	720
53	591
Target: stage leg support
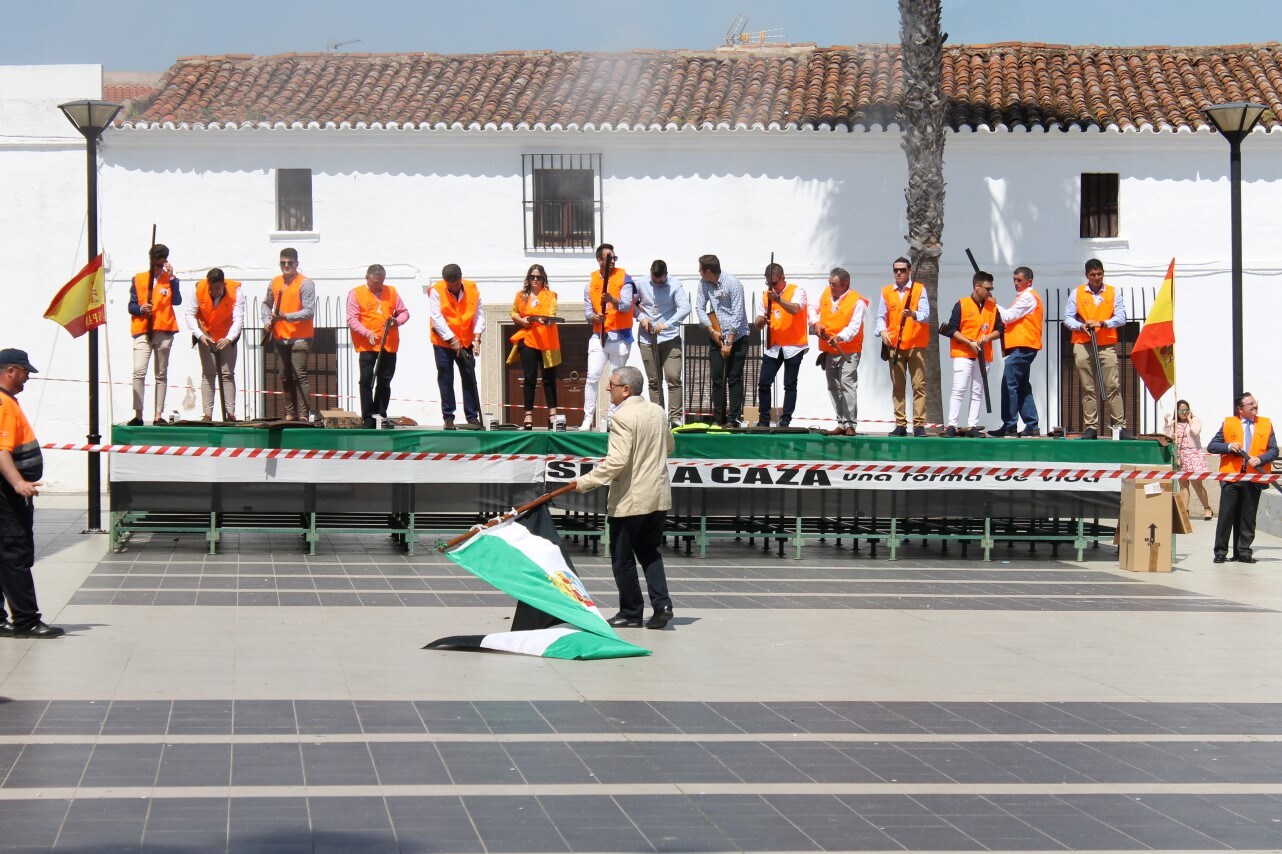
892	542
987	542
798	540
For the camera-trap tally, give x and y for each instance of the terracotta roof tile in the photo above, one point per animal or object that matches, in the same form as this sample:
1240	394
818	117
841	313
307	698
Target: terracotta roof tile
1008	85
118	94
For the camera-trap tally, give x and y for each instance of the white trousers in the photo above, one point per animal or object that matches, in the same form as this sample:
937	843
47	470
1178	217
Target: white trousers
966	378
615	353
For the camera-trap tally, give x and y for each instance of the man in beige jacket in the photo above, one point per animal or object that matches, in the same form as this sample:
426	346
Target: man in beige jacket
636	468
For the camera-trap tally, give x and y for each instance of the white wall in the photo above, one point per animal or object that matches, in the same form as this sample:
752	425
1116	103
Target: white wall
42	172
414	201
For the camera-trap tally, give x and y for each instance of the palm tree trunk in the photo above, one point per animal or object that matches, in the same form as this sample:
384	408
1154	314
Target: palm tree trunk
922	118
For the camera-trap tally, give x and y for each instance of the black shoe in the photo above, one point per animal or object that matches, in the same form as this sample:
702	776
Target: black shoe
1124	434
1245	559
39	630
388	424
974	433
901	430
950	431
1089	433
367	423
1218	559
762	425
919	432
619	621
1030	431
785	422
6	628
660	619
134	422
1001	432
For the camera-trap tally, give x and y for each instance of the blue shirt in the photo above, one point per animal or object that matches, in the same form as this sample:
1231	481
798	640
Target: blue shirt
726	297
668	304
1118	319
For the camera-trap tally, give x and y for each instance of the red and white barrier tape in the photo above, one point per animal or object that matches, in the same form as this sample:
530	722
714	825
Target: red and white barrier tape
940	470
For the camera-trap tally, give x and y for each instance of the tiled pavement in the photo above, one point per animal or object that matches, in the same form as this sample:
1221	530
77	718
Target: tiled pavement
261	700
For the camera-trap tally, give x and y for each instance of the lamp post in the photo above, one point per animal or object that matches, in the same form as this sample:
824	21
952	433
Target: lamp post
91	118
1235	122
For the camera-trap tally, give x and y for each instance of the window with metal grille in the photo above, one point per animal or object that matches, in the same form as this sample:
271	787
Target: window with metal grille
1099	205
294	200
562	201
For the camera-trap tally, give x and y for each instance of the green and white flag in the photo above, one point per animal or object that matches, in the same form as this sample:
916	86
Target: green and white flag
536	571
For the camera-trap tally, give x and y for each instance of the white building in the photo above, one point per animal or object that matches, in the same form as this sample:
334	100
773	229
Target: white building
418	161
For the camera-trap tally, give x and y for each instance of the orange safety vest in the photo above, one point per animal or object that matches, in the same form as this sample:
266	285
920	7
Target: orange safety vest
538	336
162	307
291	300
215	319
1027	331
460	314
615	318
1088	310
975	321
1233	431
786	330
375	310
835	317
916	335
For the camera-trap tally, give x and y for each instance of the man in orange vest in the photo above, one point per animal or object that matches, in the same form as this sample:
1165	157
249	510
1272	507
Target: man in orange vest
607	306
839	323
783	307
457	321
1097	306
289	311
901	325
215	318
152	324
972	328
1246	444
373	308
1023	339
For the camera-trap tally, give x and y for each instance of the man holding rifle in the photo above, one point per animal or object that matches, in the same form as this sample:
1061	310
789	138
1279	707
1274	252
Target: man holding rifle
720	309
375	314
289	313
662	307
607	305
786	317
972	329
1093	314
152	323
457	321
839	323
215	318
901	325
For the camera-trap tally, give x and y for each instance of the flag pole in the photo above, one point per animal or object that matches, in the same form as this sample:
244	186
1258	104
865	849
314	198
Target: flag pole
511	514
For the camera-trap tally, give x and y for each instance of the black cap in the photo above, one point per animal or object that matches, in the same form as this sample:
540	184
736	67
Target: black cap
14	356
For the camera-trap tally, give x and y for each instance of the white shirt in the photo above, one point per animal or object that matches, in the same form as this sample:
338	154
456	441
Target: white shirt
1024	303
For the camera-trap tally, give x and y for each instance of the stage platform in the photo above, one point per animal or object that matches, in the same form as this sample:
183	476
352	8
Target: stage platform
780	487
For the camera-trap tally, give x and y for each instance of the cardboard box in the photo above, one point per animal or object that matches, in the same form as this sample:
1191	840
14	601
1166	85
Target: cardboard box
1144	531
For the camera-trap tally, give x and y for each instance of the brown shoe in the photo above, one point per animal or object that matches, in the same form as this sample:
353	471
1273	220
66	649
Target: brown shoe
836	431
849	431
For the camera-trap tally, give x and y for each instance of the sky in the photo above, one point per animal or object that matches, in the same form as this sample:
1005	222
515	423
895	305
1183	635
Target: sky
146	35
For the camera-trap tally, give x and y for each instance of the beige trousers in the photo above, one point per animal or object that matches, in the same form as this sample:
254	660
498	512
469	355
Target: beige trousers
913	364
1090	394
209	368
144	345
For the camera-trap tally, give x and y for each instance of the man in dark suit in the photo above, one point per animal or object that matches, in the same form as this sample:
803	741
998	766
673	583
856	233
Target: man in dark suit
1246	444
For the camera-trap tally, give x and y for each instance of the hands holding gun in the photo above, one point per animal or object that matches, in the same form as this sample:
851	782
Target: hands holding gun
375	338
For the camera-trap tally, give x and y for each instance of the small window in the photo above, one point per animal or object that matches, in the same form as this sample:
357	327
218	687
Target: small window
562	201
1099	204
293	200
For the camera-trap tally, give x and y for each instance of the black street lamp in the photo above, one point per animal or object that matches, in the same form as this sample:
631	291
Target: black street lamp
1235	122
91	118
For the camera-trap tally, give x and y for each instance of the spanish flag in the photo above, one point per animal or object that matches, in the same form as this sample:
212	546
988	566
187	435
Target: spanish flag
80	305
1154	352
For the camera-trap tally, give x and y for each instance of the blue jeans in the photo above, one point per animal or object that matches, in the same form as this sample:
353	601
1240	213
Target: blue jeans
765	386
1017	390
445	362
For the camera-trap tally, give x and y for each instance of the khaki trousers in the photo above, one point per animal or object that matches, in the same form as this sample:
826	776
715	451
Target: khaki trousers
1090	393
294	383
144	345
209	368
662	362
911	363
